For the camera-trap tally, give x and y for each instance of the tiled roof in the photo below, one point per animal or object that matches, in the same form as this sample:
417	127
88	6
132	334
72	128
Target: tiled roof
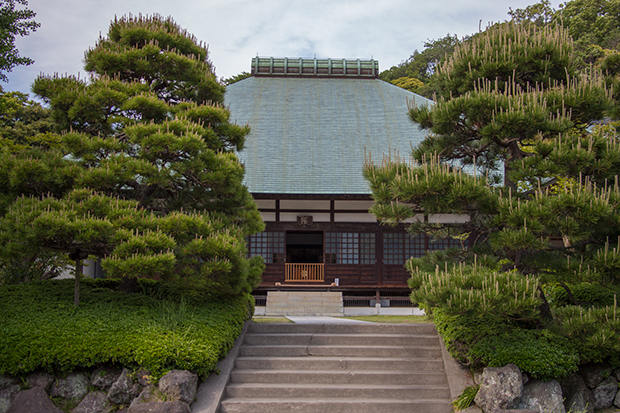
308	135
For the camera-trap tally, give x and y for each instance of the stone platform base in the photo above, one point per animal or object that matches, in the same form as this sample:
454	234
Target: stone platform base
300	303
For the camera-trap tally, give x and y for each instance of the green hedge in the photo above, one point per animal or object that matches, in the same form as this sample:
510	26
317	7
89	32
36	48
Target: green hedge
156	329
482	342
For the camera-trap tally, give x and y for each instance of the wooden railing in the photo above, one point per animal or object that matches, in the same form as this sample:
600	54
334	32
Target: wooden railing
304	272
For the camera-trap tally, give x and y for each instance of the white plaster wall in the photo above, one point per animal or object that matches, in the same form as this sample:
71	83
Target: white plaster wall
268	216
362	205
354	218
303	204
266	203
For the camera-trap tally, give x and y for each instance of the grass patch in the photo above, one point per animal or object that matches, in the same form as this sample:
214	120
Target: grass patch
413	319
42	329
271	320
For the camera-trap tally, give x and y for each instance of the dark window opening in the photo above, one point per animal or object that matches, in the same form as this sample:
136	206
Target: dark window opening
304	247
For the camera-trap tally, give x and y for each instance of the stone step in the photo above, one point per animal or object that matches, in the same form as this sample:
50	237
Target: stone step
379	391
342	339
370	328
356	368
338	377
341	351
304	303
288	311
282	405
339	363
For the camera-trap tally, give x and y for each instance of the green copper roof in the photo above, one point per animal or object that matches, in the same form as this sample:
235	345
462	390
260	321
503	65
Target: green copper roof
308	135
270	66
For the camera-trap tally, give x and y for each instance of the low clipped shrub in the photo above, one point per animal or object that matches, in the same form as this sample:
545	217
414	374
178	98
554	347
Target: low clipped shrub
483	341
540	353
42	329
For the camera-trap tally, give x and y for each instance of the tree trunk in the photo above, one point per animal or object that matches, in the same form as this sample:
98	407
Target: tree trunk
544	308
78	276
515	154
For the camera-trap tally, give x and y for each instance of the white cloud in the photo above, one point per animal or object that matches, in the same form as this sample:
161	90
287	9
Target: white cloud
237	30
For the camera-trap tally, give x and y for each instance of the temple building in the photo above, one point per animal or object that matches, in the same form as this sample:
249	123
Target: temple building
313	124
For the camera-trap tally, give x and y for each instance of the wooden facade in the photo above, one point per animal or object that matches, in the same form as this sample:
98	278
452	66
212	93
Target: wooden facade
332	241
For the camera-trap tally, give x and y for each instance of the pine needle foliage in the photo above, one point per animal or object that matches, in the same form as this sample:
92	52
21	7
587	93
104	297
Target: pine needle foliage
157	52
502	89
477	291
148	136
596	329
512	100
523	54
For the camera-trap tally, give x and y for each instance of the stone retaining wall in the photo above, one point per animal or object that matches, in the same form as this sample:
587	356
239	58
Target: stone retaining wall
102	390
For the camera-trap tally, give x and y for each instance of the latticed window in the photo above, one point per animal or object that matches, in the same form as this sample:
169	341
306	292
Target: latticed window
399	247
349	248
269	245
342	247
435	244
367	248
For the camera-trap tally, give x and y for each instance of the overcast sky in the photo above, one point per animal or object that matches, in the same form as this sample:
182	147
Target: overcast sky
237	30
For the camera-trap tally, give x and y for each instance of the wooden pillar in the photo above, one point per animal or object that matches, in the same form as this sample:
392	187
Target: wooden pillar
379	255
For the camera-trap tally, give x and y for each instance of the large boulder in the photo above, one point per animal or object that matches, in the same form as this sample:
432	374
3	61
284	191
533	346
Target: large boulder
501	388
605	393
124	389
74	386
578	397
7	395
94	402
179	385
40	379
594	373
104	377
543	396
148	394
617	399
34	400
176	406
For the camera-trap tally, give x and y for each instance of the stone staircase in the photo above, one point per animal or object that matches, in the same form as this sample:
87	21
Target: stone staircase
323	368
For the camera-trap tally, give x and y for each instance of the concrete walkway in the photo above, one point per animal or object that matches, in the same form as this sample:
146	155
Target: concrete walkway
324	320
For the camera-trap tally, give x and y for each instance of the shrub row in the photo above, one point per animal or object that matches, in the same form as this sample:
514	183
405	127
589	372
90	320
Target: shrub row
156	328
491	318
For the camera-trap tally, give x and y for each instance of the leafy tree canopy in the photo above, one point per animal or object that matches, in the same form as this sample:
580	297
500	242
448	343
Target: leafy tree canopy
422	65
24	122
14	22
235	79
